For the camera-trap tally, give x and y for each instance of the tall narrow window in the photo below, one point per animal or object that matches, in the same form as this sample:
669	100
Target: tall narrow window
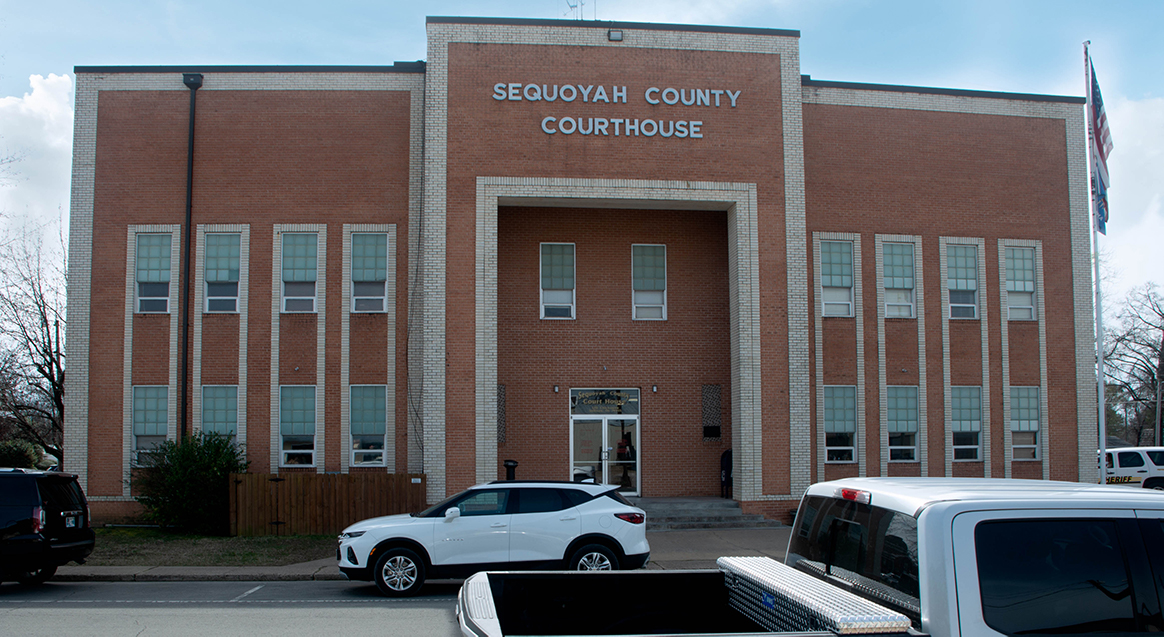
836	277
966	421
150	416
649	273
840	417
297	424
557	281
369	424
369	272
1020	284
153	273
222	268
962	280
1024	423
898	280
220	409
299	270
902	414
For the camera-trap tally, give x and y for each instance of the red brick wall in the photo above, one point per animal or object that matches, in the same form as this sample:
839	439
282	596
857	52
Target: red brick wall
261	157
604	348
896	171
503	138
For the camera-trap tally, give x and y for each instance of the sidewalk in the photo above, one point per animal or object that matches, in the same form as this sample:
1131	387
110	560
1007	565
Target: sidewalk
669	550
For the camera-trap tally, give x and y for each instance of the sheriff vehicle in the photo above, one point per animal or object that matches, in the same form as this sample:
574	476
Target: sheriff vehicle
1135	467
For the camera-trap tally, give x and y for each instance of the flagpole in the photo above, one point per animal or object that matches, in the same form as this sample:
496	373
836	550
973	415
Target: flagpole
1099	341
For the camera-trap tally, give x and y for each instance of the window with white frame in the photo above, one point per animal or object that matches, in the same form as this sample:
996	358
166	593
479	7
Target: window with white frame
840	419
836	277
153	273
962	280
369	423
299	271
297	424
898	277
369	271
902	417
1024	423
222	272
966	422
649	280
220	410
557	281
150	419
1020	284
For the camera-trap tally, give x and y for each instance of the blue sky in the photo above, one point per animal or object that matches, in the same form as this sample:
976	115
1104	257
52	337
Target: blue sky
1016	46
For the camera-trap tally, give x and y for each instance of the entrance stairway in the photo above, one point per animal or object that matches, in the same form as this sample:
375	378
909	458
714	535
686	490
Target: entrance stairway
672	514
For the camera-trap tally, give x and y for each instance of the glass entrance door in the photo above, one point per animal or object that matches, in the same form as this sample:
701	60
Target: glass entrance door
605	449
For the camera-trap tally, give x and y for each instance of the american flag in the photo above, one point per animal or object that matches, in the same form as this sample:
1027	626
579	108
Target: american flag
1101	146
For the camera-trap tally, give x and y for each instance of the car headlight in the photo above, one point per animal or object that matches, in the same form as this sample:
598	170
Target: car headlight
347	535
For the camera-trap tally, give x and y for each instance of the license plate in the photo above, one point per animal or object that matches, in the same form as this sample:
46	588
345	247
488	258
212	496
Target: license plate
70	522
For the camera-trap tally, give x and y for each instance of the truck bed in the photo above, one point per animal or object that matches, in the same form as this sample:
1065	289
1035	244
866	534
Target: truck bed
617	603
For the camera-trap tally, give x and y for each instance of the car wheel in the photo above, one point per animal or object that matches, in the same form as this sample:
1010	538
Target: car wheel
37	576
1155	483
594	557
399	573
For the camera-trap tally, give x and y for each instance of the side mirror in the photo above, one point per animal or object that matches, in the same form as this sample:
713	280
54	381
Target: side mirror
452	513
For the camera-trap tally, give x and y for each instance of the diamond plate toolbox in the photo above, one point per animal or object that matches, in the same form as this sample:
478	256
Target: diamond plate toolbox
780	598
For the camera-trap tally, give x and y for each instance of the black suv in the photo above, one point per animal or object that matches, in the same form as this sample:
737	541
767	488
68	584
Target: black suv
44	523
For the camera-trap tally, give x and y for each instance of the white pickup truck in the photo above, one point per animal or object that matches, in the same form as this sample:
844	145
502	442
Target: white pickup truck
916	556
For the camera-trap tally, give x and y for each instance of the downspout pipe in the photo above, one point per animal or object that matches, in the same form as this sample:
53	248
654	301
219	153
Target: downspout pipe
193	81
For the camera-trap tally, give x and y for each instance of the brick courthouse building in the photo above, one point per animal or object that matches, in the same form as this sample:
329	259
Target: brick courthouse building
604	250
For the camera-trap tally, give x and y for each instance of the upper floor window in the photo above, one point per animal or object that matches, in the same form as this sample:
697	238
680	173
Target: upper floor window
898	278
220	409
297	424
369	272
649	273
150	418
299	271
153	272
1020	284
840	418
966	421
1024	423
836	277
962	280
222	272
369	415
557	281
902	415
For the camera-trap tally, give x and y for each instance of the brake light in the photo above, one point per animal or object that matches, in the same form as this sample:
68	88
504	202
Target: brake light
855	495
633	518
37	519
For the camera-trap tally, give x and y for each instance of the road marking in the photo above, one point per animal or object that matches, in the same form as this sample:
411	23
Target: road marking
247	593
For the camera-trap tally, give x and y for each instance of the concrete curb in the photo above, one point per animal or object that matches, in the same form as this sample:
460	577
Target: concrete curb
670	550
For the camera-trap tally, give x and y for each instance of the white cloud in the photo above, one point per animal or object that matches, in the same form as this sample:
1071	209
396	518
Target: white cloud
37	129
1134	246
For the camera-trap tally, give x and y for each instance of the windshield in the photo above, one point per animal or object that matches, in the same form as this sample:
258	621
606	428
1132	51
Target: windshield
438	509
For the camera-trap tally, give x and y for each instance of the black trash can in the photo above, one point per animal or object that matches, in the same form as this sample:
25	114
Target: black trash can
510	469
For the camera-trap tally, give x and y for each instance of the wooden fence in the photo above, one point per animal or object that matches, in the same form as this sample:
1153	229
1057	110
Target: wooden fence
318	504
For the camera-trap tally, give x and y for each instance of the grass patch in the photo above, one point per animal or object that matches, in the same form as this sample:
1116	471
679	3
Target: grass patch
154	547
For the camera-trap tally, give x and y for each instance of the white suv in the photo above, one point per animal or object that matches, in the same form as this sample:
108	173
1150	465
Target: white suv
498	526
1136	467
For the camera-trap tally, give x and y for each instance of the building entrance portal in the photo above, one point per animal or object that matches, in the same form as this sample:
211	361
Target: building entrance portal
604	437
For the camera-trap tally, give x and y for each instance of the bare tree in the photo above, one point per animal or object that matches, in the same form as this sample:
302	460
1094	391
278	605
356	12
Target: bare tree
32	317
1133	357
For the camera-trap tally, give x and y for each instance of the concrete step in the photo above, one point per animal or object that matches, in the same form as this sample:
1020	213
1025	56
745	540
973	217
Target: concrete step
699	513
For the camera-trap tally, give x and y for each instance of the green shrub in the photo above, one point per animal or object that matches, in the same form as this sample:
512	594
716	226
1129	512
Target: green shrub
19	454
185	485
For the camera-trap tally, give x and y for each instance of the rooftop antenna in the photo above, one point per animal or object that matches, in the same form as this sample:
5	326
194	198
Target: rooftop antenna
577	8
